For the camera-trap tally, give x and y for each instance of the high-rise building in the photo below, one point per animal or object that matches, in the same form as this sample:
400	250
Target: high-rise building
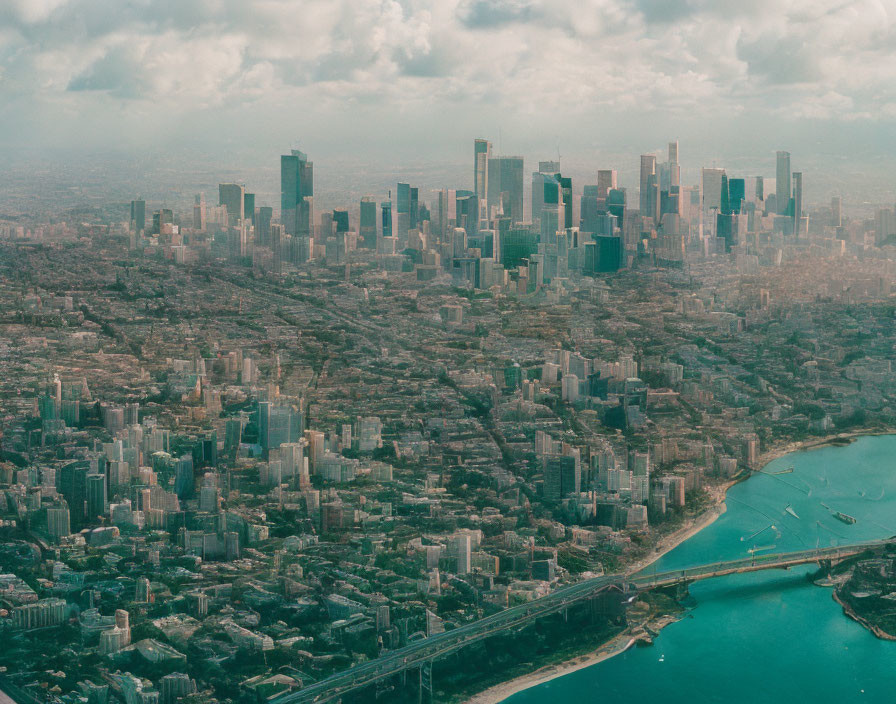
467	210
649	193
58	521
505	187
233	197
263	225
249	207
386	208
459	547
199	212
367	227
96	496
297	193
546	170
836	211
138	215
797	201
712	189
71	482
481	151
606	181
782	182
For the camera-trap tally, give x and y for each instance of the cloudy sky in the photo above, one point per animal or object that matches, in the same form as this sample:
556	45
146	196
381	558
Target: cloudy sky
598	80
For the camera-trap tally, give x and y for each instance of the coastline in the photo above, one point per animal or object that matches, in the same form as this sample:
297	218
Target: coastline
623	641
862	621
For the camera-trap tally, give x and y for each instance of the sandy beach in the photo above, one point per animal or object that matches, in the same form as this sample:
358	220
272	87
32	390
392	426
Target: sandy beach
626	639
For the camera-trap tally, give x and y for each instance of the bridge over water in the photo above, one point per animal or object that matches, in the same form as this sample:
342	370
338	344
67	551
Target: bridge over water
421	653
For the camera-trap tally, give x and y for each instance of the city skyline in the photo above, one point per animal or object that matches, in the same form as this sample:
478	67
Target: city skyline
441	351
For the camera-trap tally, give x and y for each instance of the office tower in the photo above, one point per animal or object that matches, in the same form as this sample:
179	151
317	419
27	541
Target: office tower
199	212
263	225
669	173
760	189
249	207
96	496
884	224
340	220
552	211
296	193
797	202
606	181
58	521
673	153
782	182
467	209
562	477
184	483
414	208
481	151
402	213
737	193
138	215
71	482
386	208
160	219
446	211
459	547
712	189
546	169
836	211
649	194
565	200
233	197
505	187
367	227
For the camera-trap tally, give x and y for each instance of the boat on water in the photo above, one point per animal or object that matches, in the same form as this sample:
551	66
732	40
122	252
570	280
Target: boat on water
789	470
790	510
845	517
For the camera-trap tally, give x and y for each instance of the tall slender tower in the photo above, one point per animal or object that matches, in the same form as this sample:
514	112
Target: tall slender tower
296	193
797	201
649	195
782	182
482	150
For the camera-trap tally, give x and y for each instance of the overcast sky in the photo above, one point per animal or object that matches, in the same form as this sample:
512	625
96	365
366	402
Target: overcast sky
418	79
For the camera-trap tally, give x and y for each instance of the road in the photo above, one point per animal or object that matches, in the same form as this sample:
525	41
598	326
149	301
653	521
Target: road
417	653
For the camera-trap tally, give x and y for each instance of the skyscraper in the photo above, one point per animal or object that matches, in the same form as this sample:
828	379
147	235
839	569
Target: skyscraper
263	225
233	197
649	194
782	182
836	211
367	227
797	201
249	207
481	151
505	186
138	215
386	208
71	481
296	193
606	181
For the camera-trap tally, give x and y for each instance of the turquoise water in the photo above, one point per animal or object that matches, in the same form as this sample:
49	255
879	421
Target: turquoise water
772	636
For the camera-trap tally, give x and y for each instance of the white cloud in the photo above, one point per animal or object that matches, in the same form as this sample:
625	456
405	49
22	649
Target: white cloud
550	60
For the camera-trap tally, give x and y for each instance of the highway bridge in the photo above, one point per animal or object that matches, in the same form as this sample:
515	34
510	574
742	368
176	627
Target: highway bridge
423	652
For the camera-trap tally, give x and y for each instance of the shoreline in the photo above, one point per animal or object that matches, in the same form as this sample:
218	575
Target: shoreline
862	621
622	642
